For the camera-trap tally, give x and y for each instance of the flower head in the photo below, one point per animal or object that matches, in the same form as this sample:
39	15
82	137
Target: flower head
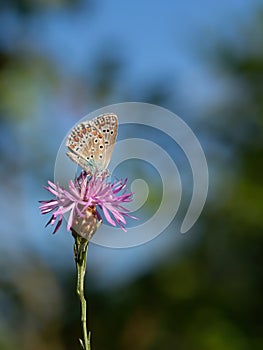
82	199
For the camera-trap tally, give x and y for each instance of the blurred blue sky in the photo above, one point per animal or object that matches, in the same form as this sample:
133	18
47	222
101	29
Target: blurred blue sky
158	41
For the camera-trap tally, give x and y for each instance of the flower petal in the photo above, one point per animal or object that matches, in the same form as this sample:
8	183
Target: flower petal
108	217
86	192
58	224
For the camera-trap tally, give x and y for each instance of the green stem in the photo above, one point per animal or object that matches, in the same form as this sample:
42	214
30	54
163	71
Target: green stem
80	251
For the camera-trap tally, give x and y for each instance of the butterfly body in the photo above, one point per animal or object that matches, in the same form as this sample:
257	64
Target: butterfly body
91	143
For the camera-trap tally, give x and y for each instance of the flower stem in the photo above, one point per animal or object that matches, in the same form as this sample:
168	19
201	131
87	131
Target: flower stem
80	252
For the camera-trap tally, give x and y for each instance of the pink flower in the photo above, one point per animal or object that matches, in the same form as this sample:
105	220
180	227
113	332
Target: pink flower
82	199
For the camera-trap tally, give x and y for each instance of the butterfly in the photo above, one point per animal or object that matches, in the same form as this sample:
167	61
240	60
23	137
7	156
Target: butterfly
91	143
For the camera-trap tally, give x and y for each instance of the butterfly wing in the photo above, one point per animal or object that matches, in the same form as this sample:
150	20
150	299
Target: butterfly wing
107	126
91	143
83	143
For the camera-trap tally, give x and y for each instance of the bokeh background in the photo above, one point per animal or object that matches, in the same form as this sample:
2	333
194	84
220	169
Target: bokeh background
60	60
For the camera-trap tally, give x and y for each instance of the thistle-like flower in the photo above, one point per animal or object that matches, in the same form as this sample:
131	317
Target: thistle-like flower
81	201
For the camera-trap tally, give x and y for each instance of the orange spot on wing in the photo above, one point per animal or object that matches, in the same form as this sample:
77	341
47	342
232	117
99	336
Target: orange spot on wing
99	136
76	139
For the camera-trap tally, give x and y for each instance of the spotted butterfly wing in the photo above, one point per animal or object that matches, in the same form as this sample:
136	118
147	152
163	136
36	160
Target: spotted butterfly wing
91	143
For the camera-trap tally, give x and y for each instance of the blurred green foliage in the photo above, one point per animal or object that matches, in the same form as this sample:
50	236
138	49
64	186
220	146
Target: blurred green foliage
210	296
